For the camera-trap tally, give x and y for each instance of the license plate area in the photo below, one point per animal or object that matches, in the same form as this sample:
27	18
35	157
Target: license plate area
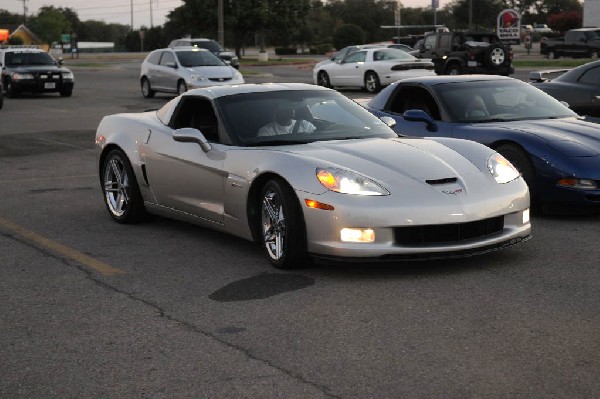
49	85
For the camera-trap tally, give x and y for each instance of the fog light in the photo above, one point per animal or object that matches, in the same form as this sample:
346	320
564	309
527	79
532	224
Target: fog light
357	235
526	216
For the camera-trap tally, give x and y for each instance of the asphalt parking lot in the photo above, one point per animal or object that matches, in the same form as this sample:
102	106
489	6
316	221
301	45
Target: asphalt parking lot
90	308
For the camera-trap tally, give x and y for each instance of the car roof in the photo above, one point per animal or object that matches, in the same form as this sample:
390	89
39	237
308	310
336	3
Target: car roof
183	48
229	90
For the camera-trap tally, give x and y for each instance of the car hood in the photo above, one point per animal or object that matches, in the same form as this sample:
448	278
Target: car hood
570	136
38	68
416	159
213	71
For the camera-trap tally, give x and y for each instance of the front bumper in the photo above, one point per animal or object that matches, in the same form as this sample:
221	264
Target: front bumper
42	86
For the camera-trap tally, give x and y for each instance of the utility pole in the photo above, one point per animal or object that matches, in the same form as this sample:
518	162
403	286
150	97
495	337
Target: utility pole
151	22
221	29
25	9
131	14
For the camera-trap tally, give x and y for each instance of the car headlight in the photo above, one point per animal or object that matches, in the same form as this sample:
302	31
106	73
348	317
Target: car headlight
197	78
67	75
502	170
22	76
345	182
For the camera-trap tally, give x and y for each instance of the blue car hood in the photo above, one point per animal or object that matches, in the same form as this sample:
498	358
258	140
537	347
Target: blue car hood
570	136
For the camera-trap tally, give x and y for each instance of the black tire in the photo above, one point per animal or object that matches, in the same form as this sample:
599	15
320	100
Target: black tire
495	56
521	160
120	189
181	87
283	233
147	91
323	79
11	91
66	92
372	83
453	69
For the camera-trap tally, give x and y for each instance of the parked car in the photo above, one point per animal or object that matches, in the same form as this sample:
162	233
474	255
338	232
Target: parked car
29	69
541	28
577	43
344	52
456	53
556	151
349	188
371	69
175	70
579	87
404	47
212	46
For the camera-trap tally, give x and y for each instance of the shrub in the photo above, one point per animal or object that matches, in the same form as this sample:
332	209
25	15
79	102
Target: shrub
347	35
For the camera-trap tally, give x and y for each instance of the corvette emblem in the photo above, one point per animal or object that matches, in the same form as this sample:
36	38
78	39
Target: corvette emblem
453	192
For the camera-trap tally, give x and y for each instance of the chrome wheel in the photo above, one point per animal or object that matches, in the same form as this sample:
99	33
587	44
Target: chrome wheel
120	189
116	187
273	224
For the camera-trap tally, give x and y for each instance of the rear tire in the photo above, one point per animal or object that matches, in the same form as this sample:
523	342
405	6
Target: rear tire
147	91
10	89
283	233
372	83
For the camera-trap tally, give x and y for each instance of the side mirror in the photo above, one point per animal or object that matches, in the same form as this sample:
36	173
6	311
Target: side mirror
566	104
191	135
60	60
171	65
417	115
389	121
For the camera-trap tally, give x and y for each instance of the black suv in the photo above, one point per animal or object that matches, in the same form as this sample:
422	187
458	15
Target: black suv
456	53
26	69
212	46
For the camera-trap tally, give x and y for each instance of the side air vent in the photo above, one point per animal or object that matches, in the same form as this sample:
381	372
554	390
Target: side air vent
447	180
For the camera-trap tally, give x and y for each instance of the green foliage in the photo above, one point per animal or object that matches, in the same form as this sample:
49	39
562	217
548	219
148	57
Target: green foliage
15	41
484	15
347	35
49	24
322	48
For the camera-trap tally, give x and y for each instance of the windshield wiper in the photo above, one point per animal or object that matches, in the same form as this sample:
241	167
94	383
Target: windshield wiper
277	142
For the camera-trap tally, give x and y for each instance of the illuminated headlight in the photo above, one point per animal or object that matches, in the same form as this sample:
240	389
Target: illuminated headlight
581	184
67	75
502	170
22	76
345	182
526	216
357	235
197	78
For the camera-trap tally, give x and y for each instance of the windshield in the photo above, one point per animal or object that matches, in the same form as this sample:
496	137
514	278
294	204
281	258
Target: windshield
190	59
292	117
28	58
213	46
491	101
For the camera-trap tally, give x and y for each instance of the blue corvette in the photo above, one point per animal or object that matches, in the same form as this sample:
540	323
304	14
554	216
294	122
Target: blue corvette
556	151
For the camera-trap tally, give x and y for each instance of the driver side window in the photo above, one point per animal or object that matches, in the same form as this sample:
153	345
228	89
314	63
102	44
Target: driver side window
197	113
359	56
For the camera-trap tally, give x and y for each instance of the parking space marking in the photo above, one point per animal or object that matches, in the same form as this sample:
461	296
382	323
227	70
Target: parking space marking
46	243
46	178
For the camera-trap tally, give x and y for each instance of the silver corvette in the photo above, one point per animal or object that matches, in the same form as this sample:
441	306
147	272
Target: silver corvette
308	173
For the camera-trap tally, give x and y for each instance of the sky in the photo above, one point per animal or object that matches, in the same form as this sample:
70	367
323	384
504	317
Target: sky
119	11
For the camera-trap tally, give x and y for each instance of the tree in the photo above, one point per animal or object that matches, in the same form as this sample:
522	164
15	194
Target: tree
564	21
49	24
348	35
484	14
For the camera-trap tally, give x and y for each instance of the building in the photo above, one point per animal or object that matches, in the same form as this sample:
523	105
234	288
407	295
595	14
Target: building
591	13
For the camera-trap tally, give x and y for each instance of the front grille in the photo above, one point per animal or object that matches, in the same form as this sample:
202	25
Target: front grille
219	79
447	233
